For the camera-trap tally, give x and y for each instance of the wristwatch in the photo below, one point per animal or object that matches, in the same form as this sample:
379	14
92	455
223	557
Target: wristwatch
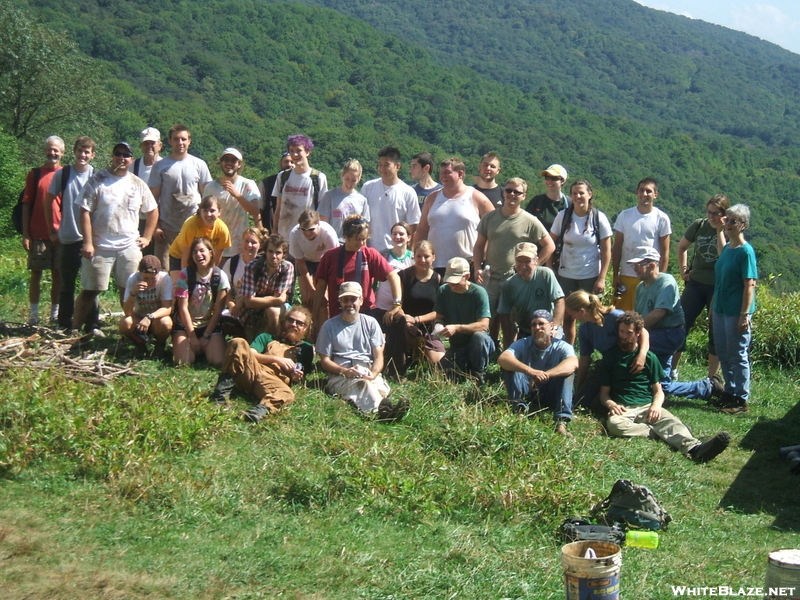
149	316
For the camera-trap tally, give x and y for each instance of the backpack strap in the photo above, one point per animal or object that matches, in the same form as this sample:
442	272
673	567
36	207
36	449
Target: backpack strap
284	178
65	172
234	262
191	281
315	185
136	164
596	224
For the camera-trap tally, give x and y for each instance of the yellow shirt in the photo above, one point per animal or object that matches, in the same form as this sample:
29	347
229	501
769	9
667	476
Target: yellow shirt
193	228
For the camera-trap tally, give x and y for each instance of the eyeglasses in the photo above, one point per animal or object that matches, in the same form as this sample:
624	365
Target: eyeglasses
295	322
122	154
713	213
312	228
513	192
735	222
551	178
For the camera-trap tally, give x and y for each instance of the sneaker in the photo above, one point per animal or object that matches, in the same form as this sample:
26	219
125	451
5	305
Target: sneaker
561	428
255	413
709	450
222	391
33	321
98	333
673	375
391	413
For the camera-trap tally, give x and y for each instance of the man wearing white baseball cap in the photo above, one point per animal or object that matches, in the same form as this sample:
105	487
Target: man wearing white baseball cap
238	197
150	145
546	206
350	347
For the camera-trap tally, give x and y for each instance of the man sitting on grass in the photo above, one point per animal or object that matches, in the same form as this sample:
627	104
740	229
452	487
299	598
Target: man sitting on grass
538	370
268	367
634	401
350	347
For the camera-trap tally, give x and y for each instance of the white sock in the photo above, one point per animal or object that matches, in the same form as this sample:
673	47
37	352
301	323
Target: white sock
54	312
35	310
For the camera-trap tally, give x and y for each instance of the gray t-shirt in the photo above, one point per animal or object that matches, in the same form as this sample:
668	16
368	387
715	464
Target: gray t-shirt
662	293
349	343
336	205
69	232
179	182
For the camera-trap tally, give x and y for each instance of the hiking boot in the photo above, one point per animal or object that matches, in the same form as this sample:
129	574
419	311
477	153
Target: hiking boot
390	413
222	391
561	428
33	321
710	449
733	405
255	413
717	386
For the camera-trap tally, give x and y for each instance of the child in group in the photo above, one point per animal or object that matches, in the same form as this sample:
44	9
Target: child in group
337	204
206	224
200	293
147	304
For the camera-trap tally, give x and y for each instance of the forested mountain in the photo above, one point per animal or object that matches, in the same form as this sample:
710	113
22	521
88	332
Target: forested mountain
247	73
612	57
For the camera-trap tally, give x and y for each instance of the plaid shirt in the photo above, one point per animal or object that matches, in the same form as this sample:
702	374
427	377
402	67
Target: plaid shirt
259	283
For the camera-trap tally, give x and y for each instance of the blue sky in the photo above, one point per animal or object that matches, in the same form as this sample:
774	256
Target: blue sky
777	21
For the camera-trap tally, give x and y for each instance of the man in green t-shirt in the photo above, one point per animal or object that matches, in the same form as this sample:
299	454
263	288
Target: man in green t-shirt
463	308
268	367
634	400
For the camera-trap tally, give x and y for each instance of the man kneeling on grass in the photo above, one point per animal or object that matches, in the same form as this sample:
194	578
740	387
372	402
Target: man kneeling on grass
350	347
268	367
634	401
538	370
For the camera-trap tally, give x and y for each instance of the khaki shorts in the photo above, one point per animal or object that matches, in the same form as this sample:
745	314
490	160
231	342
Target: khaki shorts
44	255
96	273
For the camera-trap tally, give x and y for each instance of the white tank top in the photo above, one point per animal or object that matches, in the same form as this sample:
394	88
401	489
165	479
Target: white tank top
453	226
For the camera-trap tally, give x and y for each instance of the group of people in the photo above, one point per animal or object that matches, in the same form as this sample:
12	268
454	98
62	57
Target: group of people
396	275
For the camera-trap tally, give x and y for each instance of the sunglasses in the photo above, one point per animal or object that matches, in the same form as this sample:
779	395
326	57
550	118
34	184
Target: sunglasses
295	322
312	228
551	178
735	222
119	154
513	192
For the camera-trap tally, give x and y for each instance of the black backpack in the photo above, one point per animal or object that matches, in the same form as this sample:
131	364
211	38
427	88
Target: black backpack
632	504
191	280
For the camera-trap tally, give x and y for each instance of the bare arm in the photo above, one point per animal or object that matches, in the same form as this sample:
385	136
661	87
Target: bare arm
616	256
468	328
49	205
546	249
654	413
605	399
683	258
663	248
654	316
558	312
423	228
87	251
584	362
481	203
478	251
605	260
276	217
149	229
747	302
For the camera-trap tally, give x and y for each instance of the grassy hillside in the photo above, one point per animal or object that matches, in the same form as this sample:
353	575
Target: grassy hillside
249	73
612	57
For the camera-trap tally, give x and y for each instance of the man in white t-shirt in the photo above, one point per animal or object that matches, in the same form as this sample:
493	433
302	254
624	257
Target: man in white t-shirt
642	225
238	197
390	200
177	184
296	189
111	203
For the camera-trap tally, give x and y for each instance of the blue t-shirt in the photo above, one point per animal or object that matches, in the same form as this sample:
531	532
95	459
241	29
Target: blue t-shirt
732	268
526	351
592	336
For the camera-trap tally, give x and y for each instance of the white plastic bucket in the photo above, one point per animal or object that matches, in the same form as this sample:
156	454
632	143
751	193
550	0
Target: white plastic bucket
595	578
783	573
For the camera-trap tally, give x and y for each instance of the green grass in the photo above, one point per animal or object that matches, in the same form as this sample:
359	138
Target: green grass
141	489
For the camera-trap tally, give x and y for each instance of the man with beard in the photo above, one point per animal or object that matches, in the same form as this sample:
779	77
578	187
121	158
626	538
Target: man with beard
177	183
350	347
238	197
634	400
111	204
266	285
529	289
538	370
268	367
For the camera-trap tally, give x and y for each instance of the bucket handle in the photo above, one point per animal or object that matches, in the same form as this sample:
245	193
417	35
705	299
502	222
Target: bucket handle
590	553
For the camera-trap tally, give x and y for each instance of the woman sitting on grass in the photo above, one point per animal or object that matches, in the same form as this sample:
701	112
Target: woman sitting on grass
204	224
147	304
252	243
200	294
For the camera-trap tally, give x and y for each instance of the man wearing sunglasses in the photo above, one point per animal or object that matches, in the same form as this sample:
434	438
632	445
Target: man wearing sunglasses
111	203
268	367
499	232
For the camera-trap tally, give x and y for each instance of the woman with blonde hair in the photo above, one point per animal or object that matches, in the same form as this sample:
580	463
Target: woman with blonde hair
339	203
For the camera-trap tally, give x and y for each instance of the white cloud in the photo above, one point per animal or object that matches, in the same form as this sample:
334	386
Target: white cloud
768	22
